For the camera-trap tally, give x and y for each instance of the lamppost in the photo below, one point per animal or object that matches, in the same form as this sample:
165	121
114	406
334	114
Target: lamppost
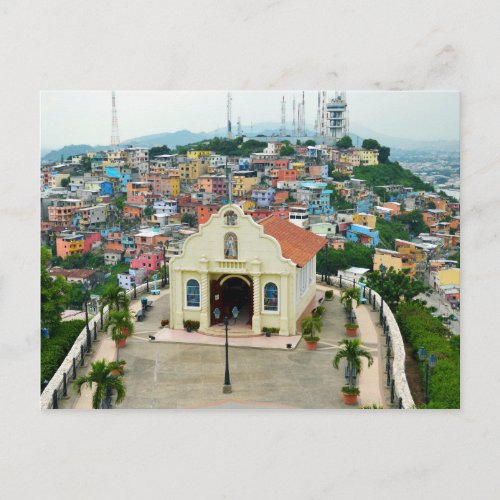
431	363
226	389
382	270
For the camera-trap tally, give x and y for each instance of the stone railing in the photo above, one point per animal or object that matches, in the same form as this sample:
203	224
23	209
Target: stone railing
397	370
58	384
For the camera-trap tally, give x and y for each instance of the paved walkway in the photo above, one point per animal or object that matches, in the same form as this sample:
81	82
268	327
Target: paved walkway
186	370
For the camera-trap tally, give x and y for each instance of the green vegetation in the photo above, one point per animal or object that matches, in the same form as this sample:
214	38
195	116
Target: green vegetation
86	163
112	278
338	201
311	325
348	296
344	143
352	352
396	286
390	231
189	219
54	294
65	182
390	173
413	222
100	376
159	150
56	348
115	297
119	201
455	256
353	254
88	260
287	150
121	324
420	329
223	146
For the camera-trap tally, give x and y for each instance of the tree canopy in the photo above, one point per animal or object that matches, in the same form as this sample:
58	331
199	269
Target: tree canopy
344	143
287	150
159	150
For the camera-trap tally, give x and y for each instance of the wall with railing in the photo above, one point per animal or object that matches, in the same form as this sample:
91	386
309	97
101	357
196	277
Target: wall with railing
58	386
395	355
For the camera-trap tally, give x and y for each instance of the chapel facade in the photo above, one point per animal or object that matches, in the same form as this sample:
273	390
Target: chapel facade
266	270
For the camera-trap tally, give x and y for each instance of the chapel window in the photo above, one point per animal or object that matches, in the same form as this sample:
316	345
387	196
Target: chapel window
192	293
270	297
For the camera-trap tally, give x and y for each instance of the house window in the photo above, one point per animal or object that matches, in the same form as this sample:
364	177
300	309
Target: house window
270	297
192	293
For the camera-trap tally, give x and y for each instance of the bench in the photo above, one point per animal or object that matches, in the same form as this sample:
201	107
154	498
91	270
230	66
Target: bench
139	315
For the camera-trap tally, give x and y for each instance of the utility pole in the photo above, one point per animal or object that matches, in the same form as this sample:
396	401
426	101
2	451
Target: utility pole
229	127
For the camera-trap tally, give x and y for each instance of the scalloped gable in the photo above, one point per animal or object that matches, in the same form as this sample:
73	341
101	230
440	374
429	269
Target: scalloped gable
297	244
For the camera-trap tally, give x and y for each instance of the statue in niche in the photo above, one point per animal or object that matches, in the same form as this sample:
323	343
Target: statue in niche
230	246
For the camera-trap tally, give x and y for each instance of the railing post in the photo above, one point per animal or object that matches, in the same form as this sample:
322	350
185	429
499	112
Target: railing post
65	386
102	319
82	354
55	404
340	282
95	331
147	284
354	283
374	304
392	391
74	368
400	403
388	372
135	291
89	340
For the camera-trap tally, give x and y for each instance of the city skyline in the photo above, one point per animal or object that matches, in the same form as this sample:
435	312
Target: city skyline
77	117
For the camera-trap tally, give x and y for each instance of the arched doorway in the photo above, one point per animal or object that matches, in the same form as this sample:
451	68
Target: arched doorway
231	291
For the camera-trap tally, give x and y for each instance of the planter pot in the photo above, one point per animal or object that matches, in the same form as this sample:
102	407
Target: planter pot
351	332
350	399
268	334
311	345
121	343
189	330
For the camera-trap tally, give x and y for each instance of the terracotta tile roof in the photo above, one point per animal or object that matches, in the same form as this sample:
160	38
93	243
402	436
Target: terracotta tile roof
296	243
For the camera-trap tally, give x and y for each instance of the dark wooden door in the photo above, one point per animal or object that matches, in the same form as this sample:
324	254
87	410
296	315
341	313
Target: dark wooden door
215	301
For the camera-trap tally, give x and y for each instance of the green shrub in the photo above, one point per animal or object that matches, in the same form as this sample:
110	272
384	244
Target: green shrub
420	329
319	311
329	295
352	391
56	348
267	329
190	324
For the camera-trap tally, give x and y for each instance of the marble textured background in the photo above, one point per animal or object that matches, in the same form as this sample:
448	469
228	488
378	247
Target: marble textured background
279	44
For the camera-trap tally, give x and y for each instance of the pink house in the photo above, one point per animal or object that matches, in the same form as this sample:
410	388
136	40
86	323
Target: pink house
149	261
90	240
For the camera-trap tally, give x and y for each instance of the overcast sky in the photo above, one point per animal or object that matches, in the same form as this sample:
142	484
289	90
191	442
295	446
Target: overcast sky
84	117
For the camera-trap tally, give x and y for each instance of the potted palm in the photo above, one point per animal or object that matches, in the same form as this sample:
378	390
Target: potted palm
347	298
310	326
352	352
121	326
351	329
104	384
115	297
117	367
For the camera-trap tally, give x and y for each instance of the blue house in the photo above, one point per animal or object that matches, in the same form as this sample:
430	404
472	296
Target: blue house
244	164
363	234
263	197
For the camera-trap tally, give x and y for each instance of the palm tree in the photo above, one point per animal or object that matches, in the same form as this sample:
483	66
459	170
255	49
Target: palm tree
105	384
352	352
115	297
347	297
121	325
311	325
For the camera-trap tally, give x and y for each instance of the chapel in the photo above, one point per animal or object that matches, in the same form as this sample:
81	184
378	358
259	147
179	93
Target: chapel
264	272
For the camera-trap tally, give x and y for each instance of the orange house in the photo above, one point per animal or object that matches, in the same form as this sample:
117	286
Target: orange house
132	212
204	212
395	207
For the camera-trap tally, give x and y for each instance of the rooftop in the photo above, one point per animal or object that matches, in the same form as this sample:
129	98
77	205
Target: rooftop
296	243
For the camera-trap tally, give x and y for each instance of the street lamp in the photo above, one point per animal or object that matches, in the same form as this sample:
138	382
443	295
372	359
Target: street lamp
382	270
431	363
226	389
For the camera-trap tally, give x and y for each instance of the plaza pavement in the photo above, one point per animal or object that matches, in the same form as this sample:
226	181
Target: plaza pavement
190	375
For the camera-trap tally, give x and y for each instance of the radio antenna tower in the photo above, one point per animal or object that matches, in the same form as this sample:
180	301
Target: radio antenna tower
239	131
229	129
294	123
283	118
303	125
323	117
115	134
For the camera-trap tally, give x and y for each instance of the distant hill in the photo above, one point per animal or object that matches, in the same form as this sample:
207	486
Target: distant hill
183	137
402	143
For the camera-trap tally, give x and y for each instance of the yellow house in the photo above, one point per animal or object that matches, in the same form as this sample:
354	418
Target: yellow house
193	169
449	277
247	205
243	182
194	155
266	272
400	262
368	156
365	220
